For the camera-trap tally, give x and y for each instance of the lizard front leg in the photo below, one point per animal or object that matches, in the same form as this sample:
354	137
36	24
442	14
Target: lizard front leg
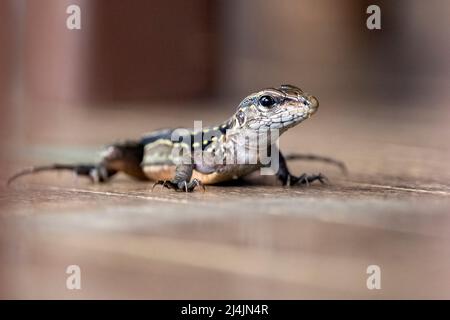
182	180
287	179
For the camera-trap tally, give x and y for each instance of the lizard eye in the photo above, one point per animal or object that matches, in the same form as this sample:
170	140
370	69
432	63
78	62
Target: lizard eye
266	101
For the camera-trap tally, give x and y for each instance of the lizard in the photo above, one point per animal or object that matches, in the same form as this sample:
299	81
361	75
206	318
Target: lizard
152	156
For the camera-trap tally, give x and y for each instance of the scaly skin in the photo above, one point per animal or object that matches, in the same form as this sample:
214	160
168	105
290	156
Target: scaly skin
268	111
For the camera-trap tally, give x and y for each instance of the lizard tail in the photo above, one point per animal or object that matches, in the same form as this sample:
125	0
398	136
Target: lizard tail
82	170
311	157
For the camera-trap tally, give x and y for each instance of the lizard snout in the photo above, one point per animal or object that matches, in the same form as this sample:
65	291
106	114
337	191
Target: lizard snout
314	104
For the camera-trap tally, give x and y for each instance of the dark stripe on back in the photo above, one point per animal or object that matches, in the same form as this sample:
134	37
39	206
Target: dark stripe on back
157	135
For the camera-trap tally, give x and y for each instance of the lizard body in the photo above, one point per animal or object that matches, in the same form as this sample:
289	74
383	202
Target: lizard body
175	158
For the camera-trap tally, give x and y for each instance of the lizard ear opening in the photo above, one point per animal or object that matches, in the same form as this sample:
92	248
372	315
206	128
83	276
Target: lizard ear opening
240	117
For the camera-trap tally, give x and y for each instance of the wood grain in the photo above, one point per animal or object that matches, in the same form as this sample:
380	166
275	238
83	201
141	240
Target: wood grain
255	240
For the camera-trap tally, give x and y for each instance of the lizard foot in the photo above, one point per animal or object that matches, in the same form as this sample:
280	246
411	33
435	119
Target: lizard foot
96	174
180	186
306	179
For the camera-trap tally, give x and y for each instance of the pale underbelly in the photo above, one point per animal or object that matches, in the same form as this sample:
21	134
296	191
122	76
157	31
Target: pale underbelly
167	172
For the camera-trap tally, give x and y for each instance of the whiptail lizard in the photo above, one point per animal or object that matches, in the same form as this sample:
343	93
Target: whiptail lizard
151	157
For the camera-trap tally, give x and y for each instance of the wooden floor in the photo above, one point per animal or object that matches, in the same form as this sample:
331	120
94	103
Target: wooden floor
255	240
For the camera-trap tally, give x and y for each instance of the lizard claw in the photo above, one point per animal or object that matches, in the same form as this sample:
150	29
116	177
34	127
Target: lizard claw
159	182
180	186
306	179
199	183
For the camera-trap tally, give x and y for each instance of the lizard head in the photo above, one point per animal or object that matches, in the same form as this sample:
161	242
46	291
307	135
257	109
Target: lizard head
275	108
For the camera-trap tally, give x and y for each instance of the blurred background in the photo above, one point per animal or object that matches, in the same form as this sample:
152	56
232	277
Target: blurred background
139	65
145	50
133	62
153	53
